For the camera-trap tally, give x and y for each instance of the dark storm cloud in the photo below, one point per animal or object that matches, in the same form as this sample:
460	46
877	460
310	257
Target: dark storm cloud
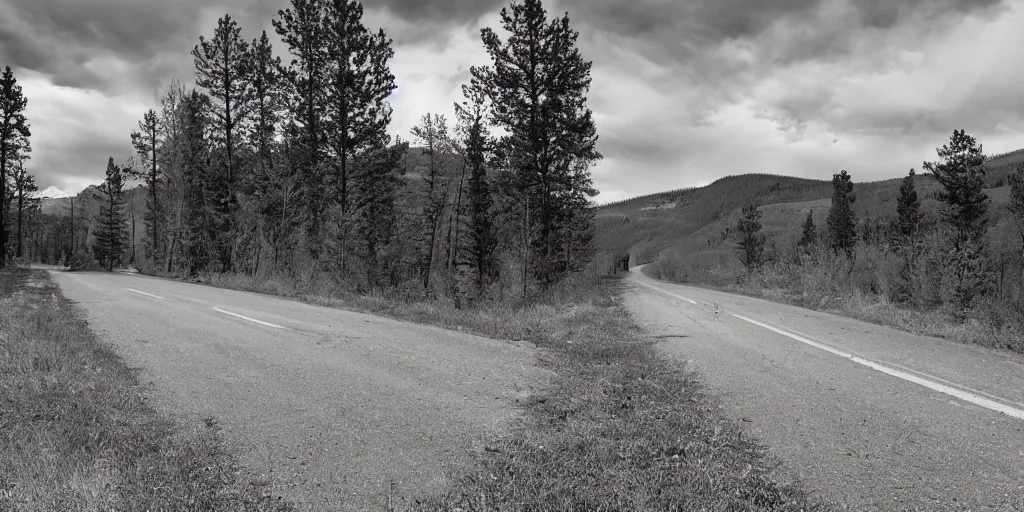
59	37
444	11
672	30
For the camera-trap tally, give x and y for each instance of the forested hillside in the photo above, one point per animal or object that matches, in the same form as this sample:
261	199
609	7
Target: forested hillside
777	236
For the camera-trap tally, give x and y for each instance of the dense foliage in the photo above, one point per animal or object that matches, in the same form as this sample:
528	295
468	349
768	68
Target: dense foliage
272	168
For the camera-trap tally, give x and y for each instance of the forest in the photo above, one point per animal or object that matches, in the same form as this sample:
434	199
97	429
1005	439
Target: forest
285	170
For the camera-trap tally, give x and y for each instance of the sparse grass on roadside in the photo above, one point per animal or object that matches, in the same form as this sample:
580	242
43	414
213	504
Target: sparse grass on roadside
76	432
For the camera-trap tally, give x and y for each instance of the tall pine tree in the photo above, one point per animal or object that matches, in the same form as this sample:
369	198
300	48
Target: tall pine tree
111	231
481	235
14	140
537	84
147	142
303	30
221	70
961	172
359	82
842	223
24	193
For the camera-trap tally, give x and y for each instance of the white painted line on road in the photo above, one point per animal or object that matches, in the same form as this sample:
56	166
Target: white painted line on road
670	294
253	320
133	290
934	386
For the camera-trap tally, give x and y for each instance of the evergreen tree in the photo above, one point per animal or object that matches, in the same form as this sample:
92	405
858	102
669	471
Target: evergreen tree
481	235
221	70
14	140
303	30
842	224
358	84
24	192
961	172
111	232
908	210
751	240
374	208
432	134
199	229
1016	205
267	99
147	142
537	84
809	237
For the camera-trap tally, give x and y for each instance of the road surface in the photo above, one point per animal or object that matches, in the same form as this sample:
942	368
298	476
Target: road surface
868	416
339	409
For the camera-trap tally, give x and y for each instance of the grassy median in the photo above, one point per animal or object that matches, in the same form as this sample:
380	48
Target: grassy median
621	428
77	433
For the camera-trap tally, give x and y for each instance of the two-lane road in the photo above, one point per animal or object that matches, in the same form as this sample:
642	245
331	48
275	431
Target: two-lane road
870	416
339	409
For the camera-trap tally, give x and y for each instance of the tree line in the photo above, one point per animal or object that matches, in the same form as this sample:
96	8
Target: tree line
943	261
274	168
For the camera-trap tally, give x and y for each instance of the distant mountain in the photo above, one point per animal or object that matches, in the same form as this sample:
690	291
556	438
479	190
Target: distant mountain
52	193
693	222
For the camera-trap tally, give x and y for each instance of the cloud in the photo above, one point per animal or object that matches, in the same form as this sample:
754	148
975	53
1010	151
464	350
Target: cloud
683	92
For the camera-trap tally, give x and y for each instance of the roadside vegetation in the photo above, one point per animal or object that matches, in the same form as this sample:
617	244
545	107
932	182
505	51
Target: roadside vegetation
77	434
944	263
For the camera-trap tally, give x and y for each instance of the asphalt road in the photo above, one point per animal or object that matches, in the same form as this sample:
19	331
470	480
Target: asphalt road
868	416
339	410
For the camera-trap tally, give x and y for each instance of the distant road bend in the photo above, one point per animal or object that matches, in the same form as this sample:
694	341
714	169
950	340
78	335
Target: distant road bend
869	416
339	409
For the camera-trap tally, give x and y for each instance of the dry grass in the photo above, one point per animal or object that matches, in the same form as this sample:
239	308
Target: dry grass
77	434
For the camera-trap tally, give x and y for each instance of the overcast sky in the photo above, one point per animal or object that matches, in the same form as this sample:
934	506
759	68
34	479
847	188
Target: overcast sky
684	91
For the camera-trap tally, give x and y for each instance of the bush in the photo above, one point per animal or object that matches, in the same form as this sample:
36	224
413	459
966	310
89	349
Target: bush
83	261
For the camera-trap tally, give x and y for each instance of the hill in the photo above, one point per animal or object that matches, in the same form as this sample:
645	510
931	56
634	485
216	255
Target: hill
694	224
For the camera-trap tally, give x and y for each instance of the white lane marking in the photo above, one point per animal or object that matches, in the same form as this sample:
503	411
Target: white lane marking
253	320
133	290
670	294
934	386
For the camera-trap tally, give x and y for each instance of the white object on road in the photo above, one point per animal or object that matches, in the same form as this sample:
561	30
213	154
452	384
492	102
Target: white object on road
934	386
253	320
133	290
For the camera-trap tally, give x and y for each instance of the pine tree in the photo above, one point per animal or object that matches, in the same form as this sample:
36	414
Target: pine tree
751	240
14	140
303	30
480	225
111	233
908	210
809	236
373	204
199	228
961	172
267	99
842	224
1016	205
431	134
537	84
221	70
147	142
24	191
358	84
